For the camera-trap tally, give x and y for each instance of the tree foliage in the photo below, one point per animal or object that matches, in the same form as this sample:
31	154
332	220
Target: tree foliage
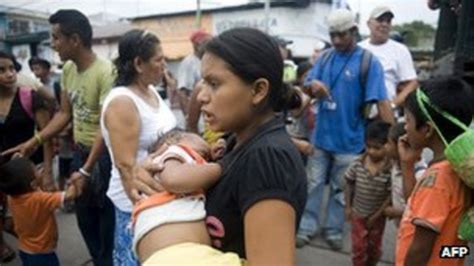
415	31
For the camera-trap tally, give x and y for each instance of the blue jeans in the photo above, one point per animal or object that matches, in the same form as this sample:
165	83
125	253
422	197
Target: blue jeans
47	259
325	168
123	253
94	210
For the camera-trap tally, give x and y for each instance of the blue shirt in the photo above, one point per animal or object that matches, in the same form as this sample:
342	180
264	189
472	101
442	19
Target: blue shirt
340	125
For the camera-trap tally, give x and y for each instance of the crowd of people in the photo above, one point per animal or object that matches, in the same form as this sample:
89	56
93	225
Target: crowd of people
150	185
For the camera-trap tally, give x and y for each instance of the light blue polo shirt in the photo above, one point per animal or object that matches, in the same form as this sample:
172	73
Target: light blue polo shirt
340	126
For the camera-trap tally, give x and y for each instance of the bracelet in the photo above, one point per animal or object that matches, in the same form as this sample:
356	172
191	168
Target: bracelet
84	172
38	138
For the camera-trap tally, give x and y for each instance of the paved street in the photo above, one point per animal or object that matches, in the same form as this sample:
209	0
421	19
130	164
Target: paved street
72	251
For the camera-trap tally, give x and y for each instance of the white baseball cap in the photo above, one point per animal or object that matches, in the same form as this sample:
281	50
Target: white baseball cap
379	11
341	20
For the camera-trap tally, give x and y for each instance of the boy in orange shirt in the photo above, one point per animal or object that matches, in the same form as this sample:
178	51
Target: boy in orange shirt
33	211
437	202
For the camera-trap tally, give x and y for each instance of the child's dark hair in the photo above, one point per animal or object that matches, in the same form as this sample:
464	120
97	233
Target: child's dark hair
303	67
135	43
377	131
450	94
171	137
39	61
71	22
16	176
396	131
251	55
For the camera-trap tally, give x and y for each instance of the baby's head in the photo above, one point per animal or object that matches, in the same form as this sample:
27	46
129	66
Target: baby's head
17	176
192	140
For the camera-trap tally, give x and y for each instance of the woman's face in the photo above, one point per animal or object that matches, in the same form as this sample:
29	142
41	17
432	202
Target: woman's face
225	98
7	74
152	69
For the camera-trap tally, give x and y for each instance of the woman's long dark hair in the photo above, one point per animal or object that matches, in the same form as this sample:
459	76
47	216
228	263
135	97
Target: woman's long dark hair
135	43
252	54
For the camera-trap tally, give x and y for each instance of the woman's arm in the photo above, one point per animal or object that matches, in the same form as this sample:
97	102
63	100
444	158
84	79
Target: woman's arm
42	118
194	110
123	125
270	245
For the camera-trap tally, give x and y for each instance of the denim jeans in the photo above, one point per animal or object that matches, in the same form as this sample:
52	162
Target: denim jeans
48	259
123	253
94	210
325	168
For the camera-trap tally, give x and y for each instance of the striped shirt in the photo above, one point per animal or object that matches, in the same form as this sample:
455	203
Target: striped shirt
370	191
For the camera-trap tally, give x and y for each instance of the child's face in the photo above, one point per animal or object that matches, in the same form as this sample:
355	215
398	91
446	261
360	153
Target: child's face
38	174
416	137
375	150
392	149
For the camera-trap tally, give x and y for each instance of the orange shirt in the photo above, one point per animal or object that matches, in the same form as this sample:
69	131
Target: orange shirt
437	203
34	220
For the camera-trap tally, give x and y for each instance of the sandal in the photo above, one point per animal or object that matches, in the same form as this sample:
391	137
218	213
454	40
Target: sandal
8	254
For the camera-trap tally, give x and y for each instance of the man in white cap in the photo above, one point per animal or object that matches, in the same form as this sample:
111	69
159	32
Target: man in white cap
399	71
336	81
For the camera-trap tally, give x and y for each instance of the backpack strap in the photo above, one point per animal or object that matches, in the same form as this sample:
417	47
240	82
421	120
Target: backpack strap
325	57
26	100
364	69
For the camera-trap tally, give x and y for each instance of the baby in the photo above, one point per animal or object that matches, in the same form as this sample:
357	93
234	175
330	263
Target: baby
167	225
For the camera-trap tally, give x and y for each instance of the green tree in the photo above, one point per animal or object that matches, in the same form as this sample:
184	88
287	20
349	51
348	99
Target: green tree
415	31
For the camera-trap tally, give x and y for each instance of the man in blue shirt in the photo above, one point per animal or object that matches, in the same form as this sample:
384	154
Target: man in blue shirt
336	81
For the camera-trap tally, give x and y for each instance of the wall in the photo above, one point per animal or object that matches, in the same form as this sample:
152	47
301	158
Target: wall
304	26
174	32
107	50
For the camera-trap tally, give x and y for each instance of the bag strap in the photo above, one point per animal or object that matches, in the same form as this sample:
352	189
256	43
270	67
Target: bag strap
364	70
325	57
423	99
26	100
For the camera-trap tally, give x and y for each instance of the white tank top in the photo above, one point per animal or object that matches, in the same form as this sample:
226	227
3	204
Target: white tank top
154	122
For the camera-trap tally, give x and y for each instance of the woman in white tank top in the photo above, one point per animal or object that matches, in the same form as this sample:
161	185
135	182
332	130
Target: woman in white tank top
133	118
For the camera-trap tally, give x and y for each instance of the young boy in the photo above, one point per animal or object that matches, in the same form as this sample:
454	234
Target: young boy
403	177
33	211
437	202
367	194
169	228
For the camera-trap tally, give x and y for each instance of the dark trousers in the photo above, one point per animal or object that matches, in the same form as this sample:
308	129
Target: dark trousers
48	259
95	212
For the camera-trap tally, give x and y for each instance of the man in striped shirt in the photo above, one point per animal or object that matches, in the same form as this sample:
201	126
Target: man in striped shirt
367	194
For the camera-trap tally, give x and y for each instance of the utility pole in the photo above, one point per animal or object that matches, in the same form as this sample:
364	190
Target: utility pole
267	16
198	14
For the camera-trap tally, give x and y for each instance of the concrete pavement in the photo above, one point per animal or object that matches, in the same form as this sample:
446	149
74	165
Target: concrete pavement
72	251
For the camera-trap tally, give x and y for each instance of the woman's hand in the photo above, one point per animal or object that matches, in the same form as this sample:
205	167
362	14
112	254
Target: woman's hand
143	184
26	148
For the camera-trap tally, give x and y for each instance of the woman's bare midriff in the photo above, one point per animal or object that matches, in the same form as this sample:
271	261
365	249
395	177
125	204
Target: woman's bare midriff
171	234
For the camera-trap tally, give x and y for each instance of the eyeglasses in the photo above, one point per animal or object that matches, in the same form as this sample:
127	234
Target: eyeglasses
338	34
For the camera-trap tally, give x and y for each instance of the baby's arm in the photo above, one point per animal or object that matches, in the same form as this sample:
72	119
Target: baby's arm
179	177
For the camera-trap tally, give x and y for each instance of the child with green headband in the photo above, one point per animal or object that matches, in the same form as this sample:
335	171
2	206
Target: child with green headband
438	201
